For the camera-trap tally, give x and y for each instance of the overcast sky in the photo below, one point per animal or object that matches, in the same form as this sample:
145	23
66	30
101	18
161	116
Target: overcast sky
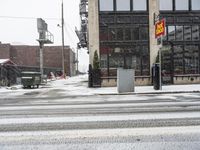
18	23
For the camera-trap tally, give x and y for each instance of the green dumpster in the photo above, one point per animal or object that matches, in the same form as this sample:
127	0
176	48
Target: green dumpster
31	79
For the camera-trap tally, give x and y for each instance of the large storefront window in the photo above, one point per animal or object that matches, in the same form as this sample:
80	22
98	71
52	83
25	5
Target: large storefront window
124	39
123	5
165	4
195	4
130	57
182	4
186	33
139	5
191	59
106	5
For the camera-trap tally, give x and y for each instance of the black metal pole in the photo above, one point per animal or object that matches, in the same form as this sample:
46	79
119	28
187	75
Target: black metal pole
172	62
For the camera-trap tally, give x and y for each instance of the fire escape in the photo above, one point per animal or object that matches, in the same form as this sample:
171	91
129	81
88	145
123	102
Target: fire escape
83	32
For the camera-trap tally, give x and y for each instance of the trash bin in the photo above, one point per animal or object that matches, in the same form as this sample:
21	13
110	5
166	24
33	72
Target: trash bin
31	79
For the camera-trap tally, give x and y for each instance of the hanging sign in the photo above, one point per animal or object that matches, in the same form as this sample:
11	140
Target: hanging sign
160	28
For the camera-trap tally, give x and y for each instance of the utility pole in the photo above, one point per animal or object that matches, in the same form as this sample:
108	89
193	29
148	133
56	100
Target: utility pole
63	58
77	61
41	44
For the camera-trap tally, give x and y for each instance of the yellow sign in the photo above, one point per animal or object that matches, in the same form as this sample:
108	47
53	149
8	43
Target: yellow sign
160	28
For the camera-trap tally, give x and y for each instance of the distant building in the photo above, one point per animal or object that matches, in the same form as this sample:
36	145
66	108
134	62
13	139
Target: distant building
123	33
27	58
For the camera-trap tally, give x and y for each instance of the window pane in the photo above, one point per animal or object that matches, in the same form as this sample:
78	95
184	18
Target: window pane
106	5
195	33
187	33
165	36
195	4
178	59
165	4
143	33
123	5
130	60
116	59
191	59
171	33
179	33
103	34
103	61
127	34
139	5
111	34
135	33
182	5
120	34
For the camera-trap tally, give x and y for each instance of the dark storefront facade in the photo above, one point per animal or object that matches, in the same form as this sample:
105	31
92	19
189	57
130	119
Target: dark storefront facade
183	36
124	36
124	40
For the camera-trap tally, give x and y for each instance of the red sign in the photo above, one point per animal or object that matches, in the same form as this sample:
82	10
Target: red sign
160	28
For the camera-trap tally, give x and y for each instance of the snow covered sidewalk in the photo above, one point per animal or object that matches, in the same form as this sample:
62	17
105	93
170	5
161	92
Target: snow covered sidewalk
78	86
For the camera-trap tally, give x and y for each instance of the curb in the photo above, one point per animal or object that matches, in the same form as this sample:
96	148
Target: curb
151	93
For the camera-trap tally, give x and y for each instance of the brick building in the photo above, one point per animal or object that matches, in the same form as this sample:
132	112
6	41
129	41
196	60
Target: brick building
27	57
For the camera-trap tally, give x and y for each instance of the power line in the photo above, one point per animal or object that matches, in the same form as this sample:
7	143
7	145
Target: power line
26	18
70	34
72	31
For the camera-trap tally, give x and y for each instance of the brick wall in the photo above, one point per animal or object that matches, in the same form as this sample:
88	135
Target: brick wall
24	55
4	51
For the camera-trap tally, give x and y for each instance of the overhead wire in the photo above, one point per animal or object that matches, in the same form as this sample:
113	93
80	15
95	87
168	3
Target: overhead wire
72	39
27	18
67	27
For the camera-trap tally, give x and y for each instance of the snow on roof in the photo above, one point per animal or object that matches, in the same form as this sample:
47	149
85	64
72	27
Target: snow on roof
2	61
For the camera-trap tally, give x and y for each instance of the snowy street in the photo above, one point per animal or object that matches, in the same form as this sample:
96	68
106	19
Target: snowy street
65	114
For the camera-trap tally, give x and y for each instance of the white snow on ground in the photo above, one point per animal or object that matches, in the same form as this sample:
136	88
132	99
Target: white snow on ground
105	132
78	86
151	116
